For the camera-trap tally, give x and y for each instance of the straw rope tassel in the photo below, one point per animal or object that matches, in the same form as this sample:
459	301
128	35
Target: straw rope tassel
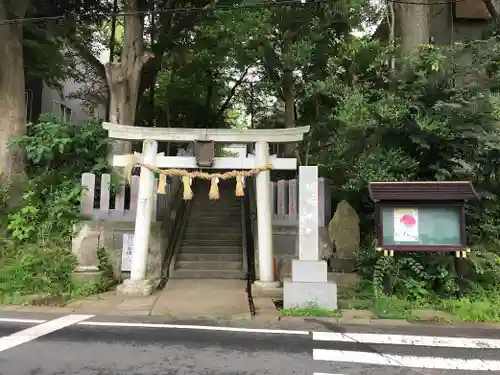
239	186
213	194
187	193
161	185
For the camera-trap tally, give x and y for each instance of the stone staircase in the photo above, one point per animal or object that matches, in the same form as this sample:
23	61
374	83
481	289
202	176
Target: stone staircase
212	243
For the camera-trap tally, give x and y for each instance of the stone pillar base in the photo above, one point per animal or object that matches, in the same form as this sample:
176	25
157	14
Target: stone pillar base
135	288
270	289
306	294
266	284
309	271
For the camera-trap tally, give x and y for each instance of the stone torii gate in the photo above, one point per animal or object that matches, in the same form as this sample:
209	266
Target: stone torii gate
138	284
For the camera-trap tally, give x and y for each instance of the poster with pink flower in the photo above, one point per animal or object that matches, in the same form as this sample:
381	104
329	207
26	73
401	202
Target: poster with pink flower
405	225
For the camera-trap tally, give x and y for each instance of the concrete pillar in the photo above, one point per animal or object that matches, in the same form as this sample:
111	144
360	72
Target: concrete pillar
264	219
137	284
309	283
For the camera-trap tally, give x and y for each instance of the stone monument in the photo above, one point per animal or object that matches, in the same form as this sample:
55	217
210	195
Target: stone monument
344	234
309	285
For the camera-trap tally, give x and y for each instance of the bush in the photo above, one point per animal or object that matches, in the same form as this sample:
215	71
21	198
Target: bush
57	155
35	236
36	269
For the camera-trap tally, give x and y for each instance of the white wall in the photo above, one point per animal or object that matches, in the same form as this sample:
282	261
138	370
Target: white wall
52	97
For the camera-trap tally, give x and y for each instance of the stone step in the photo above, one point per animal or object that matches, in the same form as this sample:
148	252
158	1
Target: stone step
216	203
217	220
196	265
186	249
192	241
214	213
199	232
207	257
208	274
197	228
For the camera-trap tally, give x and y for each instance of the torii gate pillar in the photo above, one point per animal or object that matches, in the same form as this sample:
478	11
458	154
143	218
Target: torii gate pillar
138	284
264	220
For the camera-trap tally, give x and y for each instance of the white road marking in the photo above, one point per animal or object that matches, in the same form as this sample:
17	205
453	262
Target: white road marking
434	341
431	341
197	328
40	330
15	320
324	373
405	361
173	326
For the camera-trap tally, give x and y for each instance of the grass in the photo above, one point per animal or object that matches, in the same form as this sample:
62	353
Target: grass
79	289
311	311
482	309
479	308
392	308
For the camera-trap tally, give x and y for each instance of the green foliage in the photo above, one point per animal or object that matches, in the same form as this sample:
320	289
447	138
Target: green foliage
106	268
45	56
310	311
36	269
478	309
35	237
433	118
57	155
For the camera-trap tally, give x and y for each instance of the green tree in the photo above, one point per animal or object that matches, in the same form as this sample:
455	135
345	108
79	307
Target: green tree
45	58
202	78
434	118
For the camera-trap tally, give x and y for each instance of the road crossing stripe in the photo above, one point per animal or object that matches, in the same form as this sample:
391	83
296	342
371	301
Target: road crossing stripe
40	330
405	361
434	341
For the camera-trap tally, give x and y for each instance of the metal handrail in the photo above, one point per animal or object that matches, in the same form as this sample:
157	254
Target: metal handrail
249	246
179	230
174	231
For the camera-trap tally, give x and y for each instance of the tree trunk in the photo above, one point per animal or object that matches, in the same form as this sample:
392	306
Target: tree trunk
124	76
414	25
12	106
288	93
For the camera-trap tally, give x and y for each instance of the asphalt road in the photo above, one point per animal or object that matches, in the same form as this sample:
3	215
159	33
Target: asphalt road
87	345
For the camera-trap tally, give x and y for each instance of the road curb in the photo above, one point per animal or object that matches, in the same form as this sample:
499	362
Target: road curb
263	319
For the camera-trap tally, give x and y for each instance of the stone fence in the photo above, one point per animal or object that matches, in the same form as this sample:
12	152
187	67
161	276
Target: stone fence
285	202
102	202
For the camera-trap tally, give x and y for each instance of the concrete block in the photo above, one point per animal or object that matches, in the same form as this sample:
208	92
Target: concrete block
135	288
297	294
109	234
309	271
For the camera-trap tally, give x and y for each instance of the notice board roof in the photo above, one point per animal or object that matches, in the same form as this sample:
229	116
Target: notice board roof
422	191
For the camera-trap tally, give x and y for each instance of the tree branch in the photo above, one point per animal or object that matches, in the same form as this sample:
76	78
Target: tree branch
273	66
87	55
168	33
227	102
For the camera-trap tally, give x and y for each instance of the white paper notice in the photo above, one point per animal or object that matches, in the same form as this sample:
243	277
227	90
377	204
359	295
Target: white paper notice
405	225
128	239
